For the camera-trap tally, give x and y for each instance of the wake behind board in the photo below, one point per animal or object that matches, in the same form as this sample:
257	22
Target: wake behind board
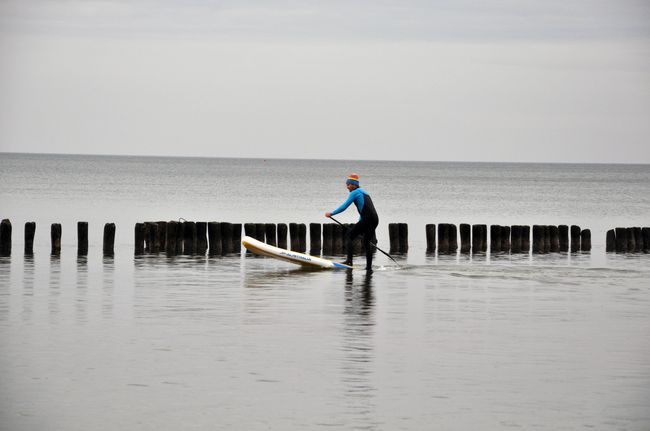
259	247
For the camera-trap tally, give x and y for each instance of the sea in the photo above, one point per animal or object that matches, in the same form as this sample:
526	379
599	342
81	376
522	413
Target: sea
557	341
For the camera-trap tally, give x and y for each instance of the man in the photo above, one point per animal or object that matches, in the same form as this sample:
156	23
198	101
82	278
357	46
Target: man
367	222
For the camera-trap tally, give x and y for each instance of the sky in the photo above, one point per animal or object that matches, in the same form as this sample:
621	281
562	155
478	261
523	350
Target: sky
443	80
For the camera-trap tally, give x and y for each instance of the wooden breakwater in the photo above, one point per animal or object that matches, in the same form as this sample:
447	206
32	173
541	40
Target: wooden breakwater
628	240
475	239
329	239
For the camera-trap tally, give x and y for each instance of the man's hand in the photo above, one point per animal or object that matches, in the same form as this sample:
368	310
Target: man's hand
328	214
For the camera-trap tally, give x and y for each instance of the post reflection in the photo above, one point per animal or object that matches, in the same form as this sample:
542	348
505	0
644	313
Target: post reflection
108	284
28	287
81	309
358	350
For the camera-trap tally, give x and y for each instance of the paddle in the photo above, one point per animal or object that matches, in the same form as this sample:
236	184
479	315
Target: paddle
374	245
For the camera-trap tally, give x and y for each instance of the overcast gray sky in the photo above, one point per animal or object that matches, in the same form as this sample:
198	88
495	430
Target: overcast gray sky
476	80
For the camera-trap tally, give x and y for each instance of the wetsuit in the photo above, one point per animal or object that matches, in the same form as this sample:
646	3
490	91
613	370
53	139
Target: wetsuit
366	225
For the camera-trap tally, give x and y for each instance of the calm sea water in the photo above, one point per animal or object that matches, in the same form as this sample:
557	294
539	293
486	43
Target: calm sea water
442	342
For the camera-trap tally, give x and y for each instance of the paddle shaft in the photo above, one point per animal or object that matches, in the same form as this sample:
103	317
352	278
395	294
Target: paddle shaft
374	245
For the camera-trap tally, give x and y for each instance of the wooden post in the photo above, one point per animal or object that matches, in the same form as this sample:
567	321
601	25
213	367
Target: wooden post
547	239
171	237
621	240
201	237
443	238
215	245
189	237
236	238
515	234
610	241
282	235
479	234
139	238
585	240
495	237
538	239
638	239
403	237
314	239
393	237
55	235
339	240
270	234
5	237
430	232
156	241
554	232
505	239
302	238
249	230
484	238
328	239
82	238
453	238
226	238
563	232
294	241
30	231
148	242
161	236
260	231
180	233
483	232
525	239
631	240
109	239
575	238
465	238
151	232
646	239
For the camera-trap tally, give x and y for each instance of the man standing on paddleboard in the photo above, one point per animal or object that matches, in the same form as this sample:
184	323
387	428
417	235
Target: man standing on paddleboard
367	222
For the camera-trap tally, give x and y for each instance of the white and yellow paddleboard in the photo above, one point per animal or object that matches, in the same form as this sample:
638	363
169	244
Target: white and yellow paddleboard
258	247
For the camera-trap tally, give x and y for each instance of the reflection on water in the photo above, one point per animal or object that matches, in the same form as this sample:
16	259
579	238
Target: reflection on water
108	285
28	287
451	344
81	313
54	290
5	286
358	351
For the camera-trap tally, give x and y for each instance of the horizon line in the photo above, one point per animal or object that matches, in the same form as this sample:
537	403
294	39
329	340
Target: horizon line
323	159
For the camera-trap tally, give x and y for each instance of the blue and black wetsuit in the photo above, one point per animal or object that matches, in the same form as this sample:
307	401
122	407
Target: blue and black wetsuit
366	225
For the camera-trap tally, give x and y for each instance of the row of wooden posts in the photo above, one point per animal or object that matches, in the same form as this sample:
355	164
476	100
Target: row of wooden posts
628	240
187	237
55	236
506	239
218	238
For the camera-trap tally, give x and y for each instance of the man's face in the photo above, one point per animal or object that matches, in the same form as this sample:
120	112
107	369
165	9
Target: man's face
350	187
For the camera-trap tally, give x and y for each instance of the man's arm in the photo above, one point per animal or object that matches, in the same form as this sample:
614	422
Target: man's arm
343	206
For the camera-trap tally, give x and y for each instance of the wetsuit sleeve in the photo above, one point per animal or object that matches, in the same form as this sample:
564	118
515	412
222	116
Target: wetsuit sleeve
345	204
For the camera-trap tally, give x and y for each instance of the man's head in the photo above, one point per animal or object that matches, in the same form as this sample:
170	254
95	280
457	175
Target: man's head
352	182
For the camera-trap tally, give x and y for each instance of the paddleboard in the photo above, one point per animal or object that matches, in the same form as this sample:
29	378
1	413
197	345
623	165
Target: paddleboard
259	247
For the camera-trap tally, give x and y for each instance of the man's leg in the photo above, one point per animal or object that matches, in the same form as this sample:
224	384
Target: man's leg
349	243
368	240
